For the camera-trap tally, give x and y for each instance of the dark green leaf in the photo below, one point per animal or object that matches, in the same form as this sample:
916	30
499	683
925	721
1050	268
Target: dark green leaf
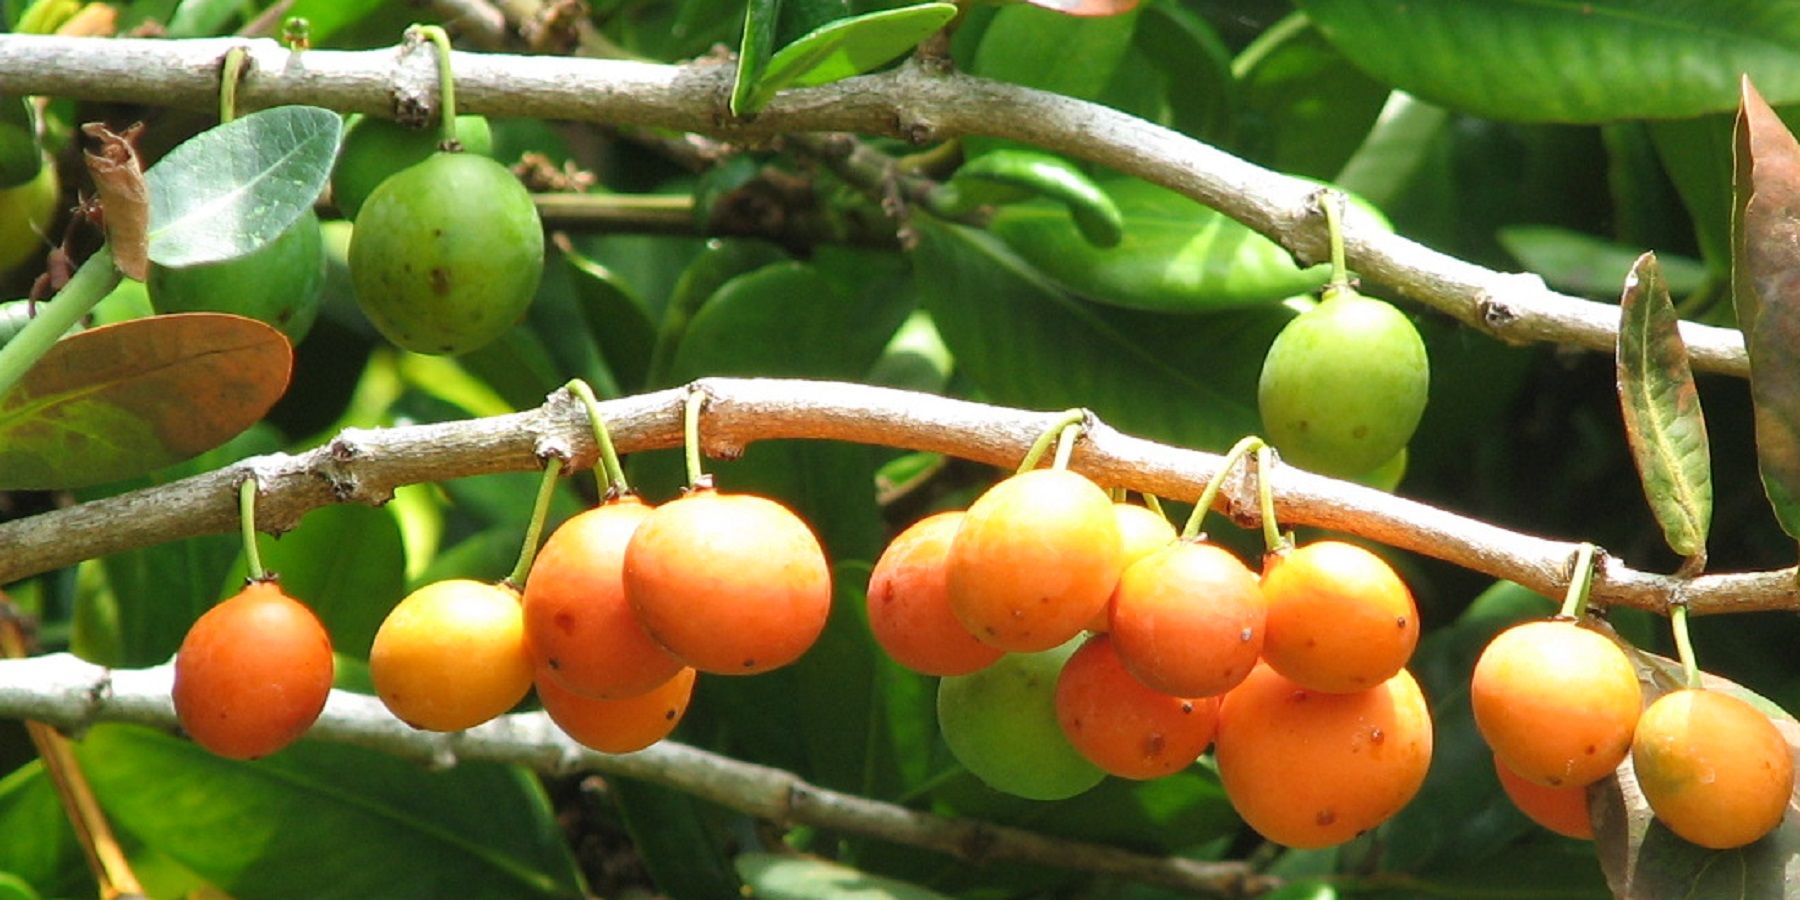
1196	66
616	320
40	847
915	359
1697	155
346	562
20	157
1568	62
787	311
121	400
1004	176
1053	52
848	47
1581	263
373	825
667	830
754	50
786	877
1663	421
233	188
1766	280
1394	150
1302	108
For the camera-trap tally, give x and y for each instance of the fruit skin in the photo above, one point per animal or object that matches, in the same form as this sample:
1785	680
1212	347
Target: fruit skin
1124	727
619	726
579	629
1556	702
1035	560
452	655
1187	620
731	584
909	602
375	148
1713	768
1308	769
1339	618
447	254
26	213
1142	531
1563	810
1000	723
1344	385
279	283
253	673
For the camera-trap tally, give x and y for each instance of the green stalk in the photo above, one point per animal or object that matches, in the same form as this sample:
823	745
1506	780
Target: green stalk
609	475
1684	645
247	521
534	528
1237	453
1581	581
228	83
94	280
690	431
1331	202
1154	503
1042	445
1065	445
1273	542
446	84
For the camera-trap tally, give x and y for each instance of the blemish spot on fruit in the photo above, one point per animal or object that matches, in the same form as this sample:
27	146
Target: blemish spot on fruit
440	280
1153	745
553	663
1377	736
1186	707
749	663
1360	432
1399	621
1325	817
1246	635
669	715
1591	749
565	622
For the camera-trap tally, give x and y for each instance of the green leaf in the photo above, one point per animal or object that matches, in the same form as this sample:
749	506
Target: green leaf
617	321
1195	64
1394	150
328	17
40	849
1569	62
1766	202
20	157
1697	155
786	877
346	562
326	820
667	829
1049	51
1175	255
231	189
1303	108
1663	421
754	50
848	47
1580	263
121	400
1004	176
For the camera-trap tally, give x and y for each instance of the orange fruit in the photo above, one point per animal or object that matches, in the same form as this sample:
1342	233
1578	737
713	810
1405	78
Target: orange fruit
253	673
1339	618
1713	768
452	655
1556	702
1142	531
1563	810
909	603
1311	769
1187	620
618	726
1124	727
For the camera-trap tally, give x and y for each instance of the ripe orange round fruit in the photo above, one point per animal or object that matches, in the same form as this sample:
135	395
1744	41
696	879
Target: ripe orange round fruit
1142	531
579	629
1713	768
1124	727
732	584
618	726
1563	810
452	655
1188	619
1339	618
909	603
1310	769
1036	557
253	673
1556	702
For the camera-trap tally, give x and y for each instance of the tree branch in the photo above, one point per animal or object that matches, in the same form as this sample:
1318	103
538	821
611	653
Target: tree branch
908	102
70	694
366	465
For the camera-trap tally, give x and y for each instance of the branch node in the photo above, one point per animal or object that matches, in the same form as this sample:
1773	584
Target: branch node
414	90
976	841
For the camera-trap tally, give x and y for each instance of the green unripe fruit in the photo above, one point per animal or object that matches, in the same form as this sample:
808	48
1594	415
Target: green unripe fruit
375	149
26	211
1344	385
279	283
447	254
1000	723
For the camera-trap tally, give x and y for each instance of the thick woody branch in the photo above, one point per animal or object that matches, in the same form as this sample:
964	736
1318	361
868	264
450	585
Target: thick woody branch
367	465
66	692
910	102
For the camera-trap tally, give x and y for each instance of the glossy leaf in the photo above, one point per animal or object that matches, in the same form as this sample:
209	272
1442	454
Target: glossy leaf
20	158
1697	155
669	831
1765	275
375	825
1175	255
1004	176
849	46
1039	48
40	847
1303	108
121	400
231	189
754	50
1569	62
1196	66
1394	150
618	323
787	877
1664	424
1581	263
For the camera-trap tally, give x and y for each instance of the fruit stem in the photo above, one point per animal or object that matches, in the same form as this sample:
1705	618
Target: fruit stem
247	521
609	475
1154	503
1065	445
1574	604
95	279
1232	457
1331	202
1273	541
535	528
690	432
228	83
1042	445
1684	645
446	83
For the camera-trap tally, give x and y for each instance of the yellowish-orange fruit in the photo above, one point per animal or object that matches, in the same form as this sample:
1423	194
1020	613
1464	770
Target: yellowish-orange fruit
1713	768
253	673
1339	618
452	655
1556	702
1187	620
1124	727
1310	769
1142	531
1563	810
618	726
909	603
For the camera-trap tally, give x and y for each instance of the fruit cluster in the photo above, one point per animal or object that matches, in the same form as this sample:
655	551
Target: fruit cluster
1300	670
1561	706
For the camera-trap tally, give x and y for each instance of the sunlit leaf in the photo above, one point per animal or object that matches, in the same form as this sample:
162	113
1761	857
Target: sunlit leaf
1663	421
754	50
123	399
849	46
786	877
1581	263
1006	175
